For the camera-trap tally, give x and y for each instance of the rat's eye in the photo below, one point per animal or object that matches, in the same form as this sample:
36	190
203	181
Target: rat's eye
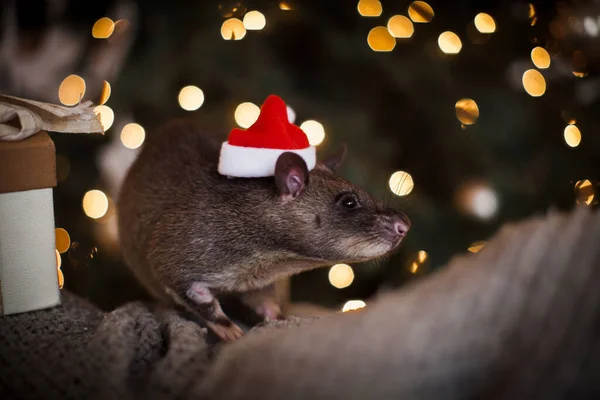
349	200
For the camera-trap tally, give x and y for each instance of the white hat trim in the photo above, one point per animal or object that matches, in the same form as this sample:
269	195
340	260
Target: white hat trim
255	162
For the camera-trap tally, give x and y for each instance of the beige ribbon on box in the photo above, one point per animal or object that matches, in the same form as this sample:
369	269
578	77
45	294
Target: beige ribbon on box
21	118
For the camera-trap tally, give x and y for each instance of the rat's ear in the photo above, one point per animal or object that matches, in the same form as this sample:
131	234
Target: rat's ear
291	175
333	161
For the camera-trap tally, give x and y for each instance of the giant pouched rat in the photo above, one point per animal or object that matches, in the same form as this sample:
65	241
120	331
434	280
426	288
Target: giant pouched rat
191	234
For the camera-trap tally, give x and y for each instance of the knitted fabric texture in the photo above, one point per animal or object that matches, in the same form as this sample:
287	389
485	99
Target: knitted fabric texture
518	320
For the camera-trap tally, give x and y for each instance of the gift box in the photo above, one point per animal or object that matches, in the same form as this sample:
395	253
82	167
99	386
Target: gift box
28	262
28	270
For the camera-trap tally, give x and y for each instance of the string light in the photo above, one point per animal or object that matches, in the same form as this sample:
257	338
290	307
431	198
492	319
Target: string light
190	98
285	6
478	199
254	21
534	83
467	111
477	246
420	12
380	39
103	28
341	276
449	42
71	90
422	256
401	183
314	131
62	240
369	8
132	135
246	114
485	23
106	116
540	57
400	27
414	267
95	204
233	29
353	305
584	192
572	135
61	277
105	93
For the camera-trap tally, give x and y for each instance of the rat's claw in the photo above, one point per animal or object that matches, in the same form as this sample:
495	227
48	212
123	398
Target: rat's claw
227	333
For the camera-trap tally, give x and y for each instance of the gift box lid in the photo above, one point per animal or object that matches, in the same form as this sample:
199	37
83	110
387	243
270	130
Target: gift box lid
27	164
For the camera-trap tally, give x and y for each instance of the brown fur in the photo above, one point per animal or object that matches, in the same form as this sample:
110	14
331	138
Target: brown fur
180	221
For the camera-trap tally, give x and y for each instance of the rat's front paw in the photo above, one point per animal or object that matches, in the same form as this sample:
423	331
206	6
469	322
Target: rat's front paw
227	332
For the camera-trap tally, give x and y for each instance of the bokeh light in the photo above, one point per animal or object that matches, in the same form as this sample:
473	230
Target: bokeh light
572	135
369	8
400	27
133	135
540	57
62	240
477	246
485	23
190	98
534	83
414	267
103	28
584	192
422	256
285	6
352	305
104	93
233	29
380	39
341	276
254	21
420	12
95	204
401	183
71	90
449	42
314	131
467	111
246	114
291	114
478	199
106	116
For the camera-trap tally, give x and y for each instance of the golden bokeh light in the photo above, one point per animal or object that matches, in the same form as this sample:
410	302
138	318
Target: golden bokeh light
422	256
352	305
369	8
414	267
341	276
572	135
105	93
95	204
584	192
71	90
477	246
534	83
314	131
580	74
190	98
380	39
103	28
400	26
254	21
62	240
233	29
106	116
58	259
449	42
246	114
132	135
540	57
420	12
467	111
61	278
485	23
401	183
285	6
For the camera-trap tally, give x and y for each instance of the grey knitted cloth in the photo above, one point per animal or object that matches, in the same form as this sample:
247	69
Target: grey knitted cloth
519	320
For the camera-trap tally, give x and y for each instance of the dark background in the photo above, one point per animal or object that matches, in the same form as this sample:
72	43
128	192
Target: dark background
395	110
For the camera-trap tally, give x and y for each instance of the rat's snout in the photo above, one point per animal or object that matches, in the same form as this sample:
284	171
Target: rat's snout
401	224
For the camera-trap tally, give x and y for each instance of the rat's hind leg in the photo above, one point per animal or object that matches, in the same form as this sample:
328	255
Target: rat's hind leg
263	302
200	299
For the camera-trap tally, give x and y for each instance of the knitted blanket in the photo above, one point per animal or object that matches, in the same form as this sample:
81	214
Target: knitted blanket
518	320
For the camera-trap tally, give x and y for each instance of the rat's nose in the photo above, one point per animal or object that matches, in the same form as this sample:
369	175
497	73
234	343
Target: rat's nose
401	224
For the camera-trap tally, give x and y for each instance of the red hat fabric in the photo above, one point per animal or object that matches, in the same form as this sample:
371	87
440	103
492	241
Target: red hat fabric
253	152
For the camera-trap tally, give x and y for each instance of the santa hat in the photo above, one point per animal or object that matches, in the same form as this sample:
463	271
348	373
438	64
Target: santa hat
252	153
